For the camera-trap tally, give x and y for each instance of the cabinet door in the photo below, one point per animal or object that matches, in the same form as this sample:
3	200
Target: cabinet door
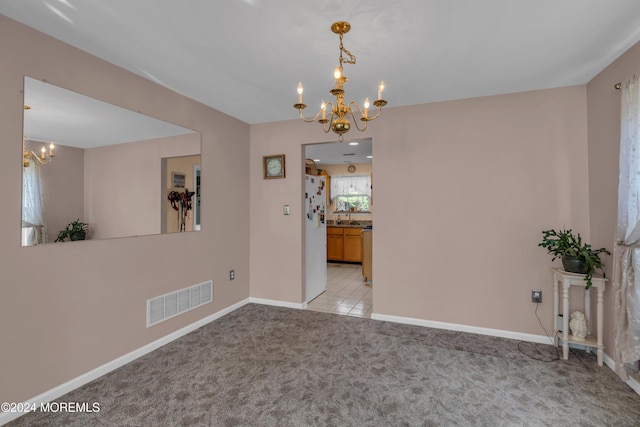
353	244
335	247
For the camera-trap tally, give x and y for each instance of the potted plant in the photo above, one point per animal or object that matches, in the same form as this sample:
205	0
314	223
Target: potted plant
76	230
577	257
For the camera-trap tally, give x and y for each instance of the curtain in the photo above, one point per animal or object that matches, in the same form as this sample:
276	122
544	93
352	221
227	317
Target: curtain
32	206
626	283
342	185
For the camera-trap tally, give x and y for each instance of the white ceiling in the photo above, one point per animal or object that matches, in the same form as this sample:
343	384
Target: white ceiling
339	153
245	58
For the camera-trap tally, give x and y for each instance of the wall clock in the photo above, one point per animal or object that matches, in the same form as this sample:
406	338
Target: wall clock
351	168
274	166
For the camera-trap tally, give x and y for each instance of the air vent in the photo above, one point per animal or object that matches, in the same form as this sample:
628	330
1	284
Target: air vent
169	305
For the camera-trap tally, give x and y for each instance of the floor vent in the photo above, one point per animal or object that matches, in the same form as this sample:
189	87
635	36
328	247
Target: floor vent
169	305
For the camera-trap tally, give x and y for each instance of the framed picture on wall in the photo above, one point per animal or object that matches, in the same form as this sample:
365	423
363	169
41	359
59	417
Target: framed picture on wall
178	180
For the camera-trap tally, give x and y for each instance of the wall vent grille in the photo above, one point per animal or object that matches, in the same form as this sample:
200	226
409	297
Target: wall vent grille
172	304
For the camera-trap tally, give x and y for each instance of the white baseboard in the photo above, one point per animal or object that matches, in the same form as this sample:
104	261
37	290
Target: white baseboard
609	362
635	385
277	303
541	339
83	379
631	382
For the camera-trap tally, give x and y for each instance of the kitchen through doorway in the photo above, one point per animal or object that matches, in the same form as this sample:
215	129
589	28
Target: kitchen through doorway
347	220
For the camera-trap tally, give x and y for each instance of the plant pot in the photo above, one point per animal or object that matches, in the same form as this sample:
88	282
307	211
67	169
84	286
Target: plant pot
77	235
574	265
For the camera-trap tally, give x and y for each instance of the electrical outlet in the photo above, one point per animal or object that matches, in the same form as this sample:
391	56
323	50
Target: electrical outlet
536	295
232	274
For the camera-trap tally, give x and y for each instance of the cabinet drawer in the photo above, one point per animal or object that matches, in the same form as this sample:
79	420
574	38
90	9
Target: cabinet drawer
353	231
336	231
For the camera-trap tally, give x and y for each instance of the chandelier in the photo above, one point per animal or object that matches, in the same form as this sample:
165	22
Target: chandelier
28	155
341	113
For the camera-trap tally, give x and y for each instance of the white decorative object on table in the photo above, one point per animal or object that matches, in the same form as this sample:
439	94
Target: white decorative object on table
578	325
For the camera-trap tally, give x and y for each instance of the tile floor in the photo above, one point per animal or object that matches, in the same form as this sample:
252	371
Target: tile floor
346	292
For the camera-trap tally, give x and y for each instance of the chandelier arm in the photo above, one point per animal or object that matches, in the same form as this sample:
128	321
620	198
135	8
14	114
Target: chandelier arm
326	125
33	156
357	107
362	117
309	120
376	116
355	122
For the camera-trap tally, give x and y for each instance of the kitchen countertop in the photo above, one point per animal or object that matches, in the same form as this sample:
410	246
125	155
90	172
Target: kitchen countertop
346	224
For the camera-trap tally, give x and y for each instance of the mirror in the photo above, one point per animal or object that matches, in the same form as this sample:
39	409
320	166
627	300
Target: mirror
109	167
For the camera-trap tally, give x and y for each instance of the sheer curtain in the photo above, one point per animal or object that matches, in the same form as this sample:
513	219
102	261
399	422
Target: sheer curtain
34	230
353	184
626	275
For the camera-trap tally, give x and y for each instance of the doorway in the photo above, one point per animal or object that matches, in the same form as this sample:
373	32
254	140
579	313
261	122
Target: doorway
348	170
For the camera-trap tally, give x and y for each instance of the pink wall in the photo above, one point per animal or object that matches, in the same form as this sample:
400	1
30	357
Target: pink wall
463	190
75	306
603	103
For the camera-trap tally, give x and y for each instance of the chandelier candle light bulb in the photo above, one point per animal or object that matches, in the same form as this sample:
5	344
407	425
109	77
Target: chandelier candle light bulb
44	150
300	93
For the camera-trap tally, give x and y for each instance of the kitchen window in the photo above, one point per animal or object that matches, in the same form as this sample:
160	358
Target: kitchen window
351	193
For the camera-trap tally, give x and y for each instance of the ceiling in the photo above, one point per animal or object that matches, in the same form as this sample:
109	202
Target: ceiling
350	151
246	57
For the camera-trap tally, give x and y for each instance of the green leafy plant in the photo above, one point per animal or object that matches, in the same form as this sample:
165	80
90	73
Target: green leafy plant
76	230
564	244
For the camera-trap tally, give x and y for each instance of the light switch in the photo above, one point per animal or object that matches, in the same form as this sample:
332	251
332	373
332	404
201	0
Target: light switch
285	209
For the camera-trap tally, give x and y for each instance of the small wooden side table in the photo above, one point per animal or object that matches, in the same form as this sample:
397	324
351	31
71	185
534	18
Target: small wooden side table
563	280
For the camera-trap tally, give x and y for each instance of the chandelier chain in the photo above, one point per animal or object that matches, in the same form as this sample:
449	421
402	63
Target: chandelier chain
352	57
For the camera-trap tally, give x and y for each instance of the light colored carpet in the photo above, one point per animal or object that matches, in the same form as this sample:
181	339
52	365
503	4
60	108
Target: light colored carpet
271	366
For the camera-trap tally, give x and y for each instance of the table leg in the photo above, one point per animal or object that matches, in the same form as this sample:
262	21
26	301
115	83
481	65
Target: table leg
587	314
600	324
565	319
555	310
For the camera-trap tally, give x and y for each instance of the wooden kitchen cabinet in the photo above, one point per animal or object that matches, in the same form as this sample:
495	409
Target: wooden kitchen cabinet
335	243
344	244
353	244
